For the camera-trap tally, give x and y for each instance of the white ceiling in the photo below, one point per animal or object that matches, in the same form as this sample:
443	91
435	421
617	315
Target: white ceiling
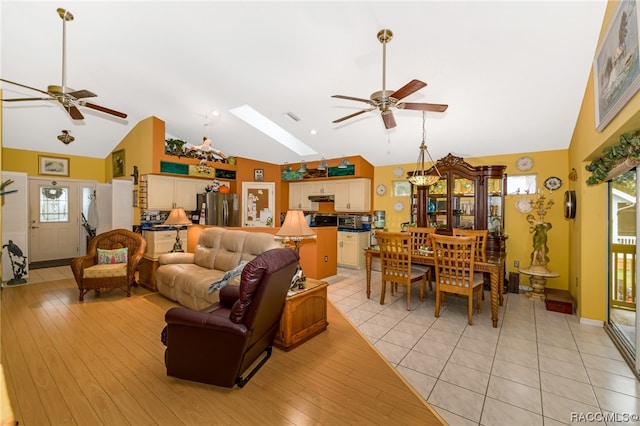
513	73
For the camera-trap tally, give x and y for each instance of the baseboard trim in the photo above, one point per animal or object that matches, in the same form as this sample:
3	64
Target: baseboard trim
49	263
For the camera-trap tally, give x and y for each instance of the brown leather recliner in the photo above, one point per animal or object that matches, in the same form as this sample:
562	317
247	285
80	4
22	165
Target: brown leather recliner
217	344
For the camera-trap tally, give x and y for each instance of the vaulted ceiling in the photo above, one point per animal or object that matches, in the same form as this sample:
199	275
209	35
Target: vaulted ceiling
513	73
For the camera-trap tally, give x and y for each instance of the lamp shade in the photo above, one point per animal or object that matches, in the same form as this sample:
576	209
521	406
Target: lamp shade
295	227
177	217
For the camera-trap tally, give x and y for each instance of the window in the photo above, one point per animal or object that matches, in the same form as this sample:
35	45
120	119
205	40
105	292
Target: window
54	204
522	184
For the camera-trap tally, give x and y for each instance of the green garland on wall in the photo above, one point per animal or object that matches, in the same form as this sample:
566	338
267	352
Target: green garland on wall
627	149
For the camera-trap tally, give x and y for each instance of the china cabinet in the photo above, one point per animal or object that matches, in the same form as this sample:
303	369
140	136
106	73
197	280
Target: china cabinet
466	196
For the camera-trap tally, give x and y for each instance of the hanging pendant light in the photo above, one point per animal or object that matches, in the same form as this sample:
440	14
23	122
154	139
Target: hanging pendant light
420	176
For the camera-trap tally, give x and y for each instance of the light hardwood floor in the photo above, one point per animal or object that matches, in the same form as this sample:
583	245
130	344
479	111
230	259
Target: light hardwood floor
100	362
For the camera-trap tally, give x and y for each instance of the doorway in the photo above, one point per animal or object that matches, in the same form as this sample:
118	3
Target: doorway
53	219
622	309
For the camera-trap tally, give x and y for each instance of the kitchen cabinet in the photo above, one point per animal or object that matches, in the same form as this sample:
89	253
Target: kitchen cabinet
163	192
321	188
351	247
465	197
299	197
352	195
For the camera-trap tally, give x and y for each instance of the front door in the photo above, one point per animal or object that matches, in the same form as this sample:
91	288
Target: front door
53	221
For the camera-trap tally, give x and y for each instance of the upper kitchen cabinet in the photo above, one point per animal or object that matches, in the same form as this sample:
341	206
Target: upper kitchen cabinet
299	197
163	192
352	195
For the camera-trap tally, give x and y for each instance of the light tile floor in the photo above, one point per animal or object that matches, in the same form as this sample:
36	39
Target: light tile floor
537	368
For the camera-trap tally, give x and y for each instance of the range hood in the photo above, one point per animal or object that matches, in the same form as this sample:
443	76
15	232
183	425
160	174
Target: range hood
321	198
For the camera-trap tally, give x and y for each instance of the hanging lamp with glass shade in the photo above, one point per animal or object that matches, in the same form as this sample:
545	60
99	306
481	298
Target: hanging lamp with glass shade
420	176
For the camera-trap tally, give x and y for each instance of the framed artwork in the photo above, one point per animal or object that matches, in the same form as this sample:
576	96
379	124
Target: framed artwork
55	166
117	163
258	203
616	68
401	188
258	174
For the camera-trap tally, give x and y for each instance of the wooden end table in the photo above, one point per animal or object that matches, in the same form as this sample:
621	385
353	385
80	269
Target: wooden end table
304	316
147	272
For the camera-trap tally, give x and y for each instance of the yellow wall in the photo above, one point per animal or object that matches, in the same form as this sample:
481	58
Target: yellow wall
589	232
84	168
519	242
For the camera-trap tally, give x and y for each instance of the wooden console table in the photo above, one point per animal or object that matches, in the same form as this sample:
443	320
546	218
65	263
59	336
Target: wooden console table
494	265
304	316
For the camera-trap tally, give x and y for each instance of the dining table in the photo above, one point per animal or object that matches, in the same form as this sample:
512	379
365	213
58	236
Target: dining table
493	265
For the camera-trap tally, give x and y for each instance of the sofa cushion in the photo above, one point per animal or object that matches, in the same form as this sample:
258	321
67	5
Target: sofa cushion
208	246
257	243
230	252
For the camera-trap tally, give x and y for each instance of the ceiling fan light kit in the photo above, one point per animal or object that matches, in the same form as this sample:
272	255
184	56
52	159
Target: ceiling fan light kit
65	137
386	100
69	99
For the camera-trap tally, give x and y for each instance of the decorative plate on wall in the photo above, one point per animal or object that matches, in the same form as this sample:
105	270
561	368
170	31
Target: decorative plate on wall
398	172
398	206
381	189
553	183
523	205
524	163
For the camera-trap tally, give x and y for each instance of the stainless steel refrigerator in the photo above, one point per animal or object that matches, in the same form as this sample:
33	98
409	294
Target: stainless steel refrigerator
220	209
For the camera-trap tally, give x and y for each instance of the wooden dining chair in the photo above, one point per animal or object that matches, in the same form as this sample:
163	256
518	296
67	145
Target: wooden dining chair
454	259
395	260
480	235
420	243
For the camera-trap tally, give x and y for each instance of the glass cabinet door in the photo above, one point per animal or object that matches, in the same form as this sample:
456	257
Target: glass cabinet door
495	209
464	206
437	204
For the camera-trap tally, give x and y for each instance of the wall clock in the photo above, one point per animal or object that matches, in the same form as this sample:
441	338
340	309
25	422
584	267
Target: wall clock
523	205
398	206
524	163
570	204
381	189
552	183
398	172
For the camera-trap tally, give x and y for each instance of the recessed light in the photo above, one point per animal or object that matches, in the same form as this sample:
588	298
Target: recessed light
313	131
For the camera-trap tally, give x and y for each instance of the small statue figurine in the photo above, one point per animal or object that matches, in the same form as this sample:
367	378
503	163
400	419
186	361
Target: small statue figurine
18	263
135	175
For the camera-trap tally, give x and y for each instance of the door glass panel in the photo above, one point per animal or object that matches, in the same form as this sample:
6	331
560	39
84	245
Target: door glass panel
54	204
463	203
622	261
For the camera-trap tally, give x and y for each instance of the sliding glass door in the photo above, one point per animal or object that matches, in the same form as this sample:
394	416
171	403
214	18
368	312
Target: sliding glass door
622	322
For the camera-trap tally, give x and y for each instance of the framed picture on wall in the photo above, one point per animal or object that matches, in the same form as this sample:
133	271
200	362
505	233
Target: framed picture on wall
117	163
401	188
258	203
55	166
616	68
258	174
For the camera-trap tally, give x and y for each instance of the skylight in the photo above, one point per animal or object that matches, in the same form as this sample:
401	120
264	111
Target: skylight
271	129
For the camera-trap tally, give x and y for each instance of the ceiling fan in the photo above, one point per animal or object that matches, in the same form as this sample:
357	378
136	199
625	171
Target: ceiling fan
385	100
69	99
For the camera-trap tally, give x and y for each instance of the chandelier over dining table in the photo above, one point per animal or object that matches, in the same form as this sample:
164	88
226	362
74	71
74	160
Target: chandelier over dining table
420	176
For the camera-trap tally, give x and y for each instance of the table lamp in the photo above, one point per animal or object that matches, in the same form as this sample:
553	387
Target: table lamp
295	229
177	218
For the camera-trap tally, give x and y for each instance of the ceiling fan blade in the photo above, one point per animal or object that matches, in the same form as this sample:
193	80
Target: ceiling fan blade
74	112
388	119
351	98
27	99
423	107
22	85
407	89
79	94
352	115
104	109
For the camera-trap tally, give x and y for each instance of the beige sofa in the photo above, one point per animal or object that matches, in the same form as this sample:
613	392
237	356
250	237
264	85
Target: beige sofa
185	277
